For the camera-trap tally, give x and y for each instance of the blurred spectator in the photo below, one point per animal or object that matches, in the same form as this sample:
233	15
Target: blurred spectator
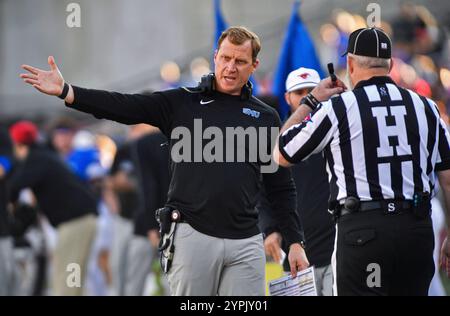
151	159
124	181
6	242
311	183
84	157
61	133
99	277
68	205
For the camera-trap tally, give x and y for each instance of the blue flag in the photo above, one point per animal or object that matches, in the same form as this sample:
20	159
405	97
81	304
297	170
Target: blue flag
298	51
221	26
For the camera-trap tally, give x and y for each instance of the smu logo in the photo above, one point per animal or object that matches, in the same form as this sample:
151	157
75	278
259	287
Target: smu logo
304	75
250	112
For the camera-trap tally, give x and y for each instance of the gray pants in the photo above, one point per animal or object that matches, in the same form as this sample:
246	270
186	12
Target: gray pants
6	266
25	271
210	266
122	235
324	280
138	265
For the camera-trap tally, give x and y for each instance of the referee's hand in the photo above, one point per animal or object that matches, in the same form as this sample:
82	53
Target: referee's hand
327	88
297	259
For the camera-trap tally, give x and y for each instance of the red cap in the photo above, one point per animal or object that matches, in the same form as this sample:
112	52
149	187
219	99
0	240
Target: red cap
23	132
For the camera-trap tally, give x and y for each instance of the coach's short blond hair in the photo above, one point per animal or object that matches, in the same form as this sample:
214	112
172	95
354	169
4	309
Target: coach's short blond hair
238	35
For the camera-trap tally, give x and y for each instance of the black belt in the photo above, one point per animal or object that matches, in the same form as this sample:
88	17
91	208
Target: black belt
388	206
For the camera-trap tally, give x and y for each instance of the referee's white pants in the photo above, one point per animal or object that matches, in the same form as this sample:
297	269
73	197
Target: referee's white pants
208	266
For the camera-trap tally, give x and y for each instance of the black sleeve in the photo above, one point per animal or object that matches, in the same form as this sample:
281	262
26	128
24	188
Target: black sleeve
282	197
146	215
266	221
153	167
443	161
26	175
122	154
155	109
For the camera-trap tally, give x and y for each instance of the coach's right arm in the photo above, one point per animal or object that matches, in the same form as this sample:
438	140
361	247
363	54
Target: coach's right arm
154	109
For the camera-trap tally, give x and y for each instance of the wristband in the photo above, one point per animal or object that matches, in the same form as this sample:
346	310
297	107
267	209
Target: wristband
310	101
64	92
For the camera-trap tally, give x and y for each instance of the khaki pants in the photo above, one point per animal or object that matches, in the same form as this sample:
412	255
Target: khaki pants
71	255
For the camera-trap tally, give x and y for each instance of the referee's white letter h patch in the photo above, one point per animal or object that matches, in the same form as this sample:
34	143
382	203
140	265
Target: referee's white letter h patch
385	131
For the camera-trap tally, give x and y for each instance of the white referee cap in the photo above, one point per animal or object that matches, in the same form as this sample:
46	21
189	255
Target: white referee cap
302	78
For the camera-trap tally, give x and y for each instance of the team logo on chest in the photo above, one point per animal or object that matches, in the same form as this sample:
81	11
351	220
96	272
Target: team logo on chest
251	113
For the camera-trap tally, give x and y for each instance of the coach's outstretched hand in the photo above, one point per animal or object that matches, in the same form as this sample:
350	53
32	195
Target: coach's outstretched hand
50	82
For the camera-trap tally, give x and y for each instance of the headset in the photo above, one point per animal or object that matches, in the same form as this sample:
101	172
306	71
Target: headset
207	86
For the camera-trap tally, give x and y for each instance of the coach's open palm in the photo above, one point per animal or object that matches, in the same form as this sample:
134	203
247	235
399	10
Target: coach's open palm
49	82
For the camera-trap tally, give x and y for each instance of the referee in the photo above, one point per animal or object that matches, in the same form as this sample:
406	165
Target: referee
383	145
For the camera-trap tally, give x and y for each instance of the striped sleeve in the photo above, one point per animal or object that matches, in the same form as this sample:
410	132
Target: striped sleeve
443	157
309	137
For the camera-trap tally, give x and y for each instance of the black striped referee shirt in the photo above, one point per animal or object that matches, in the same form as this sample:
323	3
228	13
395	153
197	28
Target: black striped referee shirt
380	142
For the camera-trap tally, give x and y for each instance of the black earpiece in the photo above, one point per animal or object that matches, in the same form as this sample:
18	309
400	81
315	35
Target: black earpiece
247	90
207	84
